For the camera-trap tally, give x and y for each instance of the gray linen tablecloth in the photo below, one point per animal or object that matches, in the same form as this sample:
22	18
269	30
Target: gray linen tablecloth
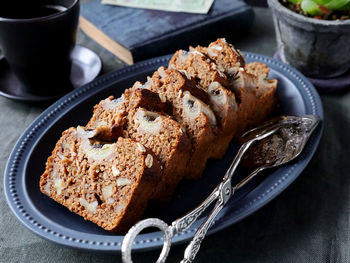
309	222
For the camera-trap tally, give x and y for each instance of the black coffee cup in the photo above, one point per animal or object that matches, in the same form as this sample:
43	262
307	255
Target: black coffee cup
37	38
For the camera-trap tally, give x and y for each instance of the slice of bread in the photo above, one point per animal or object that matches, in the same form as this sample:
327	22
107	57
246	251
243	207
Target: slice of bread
254	92
214	82
168	141
156	130
265	92
110	114
108	184
190	110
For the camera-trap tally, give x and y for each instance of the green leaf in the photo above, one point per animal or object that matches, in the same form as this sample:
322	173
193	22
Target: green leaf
336	4
345	8
322	2
294	1
310	7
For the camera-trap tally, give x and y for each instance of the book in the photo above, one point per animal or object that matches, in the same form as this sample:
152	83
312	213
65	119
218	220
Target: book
188	6
136	34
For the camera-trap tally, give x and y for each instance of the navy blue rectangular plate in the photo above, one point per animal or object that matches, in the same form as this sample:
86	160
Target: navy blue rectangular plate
55	223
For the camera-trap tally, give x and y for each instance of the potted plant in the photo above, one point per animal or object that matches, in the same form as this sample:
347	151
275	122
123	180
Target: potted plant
313	35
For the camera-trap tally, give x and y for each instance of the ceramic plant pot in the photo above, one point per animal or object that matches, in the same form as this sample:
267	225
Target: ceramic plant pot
318	48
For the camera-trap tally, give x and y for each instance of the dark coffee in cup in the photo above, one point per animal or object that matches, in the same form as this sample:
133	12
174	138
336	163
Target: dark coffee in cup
37	38
32	11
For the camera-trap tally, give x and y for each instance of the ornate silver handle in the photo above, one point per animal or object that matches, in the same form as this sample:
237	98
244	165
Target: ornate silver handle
177	226
136	229
192	249
183	223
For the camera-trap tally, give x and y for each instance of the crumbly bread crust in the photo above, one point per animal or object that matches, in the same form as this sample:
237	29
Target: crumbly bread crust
108	184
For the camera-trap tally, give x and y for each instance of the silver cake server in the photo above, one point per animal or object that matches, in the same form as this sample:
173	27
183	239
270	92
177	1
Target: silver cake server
272	144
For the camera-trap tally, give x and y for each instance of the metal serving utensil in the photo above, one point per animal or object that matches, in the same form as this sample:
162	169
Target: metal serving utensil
281	148
271	144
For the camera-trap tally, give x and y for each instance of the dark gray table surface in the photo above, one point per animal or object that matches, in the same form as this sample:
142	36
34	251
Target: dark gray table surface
309	222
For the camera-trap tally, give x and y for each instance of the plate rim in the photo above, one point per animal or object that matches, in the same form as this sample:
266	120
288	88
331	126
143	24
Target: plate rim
152	240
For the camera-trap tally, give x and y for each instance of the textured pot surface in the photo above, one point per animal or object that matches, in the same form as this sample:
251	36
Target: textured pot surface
318	48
